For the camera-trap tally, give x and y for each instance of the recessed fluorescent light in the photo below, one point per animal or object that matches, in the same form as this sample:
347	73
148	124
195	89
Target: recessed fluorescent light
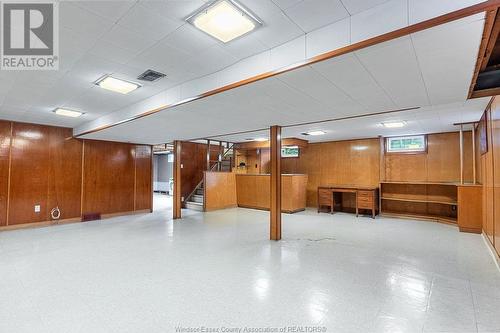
314	133
224	20
260	139
117	85
68	113
394	124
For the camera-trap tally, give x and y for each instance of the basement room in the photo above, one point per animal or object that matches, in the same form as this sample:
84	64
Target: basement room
250	166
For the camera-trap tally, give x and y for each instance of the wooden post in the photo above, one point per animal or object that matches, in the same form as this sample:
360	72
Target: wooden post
275	207
177	180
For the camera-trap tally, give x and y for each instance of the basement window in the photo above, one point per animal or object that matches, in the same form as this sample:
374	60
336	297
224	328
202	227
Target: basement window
406	144
290	151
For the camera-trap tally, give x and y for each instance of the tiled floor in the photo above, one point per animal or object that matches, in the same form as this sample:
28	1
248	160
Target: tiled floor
148	274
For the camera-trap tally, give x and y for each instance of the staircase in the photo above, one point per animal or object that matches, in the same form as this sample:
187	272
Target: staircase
195	199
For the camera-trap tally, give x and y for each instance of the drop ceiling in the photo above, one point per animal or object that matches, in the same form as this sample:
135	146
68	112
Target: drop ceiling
430	70
125	38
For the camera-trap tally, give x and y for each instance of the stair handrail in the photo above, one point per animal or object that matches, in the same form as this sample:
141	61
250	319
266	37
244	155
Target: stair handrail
223	155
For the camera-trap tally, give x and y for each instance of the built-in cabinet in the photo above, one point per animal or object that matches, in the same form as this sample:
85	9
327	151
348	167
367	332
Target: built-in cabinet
423	200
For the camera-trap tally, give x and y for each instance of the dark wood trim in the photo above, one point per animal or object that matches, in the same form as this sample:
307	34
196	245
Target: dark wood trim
485	93
275	204
177	213
446	18
485	40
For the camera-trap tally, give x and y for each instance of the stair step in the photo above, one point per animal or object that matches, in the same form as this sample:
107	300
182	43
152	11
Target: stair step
197	198
199	191
194	206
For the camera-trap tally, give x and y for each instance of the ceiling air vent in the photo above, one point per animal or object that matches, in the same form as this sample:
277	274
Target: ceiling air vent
150	75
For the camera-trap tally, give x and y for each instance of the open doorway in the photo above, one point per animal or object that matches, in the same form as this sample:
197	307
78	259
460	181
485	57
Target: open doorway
163	181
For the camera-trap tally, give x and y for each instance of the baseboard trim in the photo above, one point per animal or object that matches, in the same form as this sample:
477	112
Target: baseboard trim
68	221
492	250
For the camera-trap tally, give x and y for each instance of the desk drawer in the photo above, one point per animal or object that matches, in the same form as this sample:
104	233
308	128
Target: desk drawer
366	204
365	194
325	197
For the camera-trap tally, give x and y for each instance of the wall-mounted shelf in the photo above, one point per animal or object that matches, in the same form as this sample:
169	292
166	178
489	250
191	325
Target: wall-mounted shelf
433	201
453	203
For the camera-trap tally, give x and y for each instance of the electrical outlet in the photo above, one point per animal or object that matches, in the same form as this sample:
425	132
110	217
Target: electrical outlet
37	208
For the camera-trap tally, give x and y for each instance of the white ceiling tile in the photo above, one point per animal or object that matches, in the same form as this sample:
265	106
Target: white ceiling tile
384	18
395	67
333	36
318	87
128	39
111	10
347	73
277	31
314	14
189	39
421	10
245	47
176	9
111	52
356	6
289	53
284	4
266	10
148	22
210	60
444	57
81	20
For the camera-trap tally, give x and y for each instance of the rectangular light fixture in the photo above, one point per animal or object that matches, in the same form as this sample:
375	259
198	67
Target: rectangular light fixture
260	139
117	85
68	113
224	20
314	133
394	124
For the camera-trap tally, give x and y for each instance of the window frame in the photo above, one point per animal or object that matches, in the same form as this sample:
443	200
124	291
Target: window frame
298	152
414	152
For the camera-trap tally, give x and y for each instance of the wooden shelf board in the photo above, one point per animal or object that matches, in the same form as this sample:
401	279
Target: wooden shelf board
437	218
452	203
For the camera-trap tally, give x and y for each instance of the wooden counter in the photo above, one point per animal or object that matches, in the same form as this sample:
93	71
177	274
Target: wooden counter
253	191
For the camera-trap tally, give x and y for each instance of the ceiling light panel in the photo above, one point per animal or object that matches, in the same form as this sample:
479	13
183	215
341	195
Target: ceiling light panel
225	20
314	133
117	85
67	113
394	124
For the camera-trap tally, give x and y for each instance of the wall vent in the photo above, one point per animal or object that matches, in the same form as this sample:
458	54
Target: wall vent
151	75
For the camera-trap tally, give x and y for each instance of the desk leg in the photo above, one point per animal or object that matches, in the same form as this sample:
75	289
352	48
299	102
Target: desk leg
357	210
373	213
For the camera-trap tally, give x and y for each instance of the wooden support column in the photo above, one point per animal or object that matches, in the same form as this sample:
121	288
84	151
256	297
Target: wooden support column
177	180
275	207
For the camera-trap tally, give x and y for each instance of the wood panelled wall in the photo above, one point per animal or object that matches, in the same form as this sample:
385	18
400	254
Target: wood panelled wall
441	163
353	162
359	162
43	165
490	176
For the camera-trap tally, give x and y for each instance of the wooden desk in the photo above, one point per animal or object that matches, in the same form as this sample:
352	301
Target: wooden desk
366	197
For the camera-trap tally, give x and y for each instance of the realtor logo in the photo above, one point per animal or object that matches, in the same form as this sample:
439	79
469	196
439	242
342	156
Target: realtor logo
30	36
